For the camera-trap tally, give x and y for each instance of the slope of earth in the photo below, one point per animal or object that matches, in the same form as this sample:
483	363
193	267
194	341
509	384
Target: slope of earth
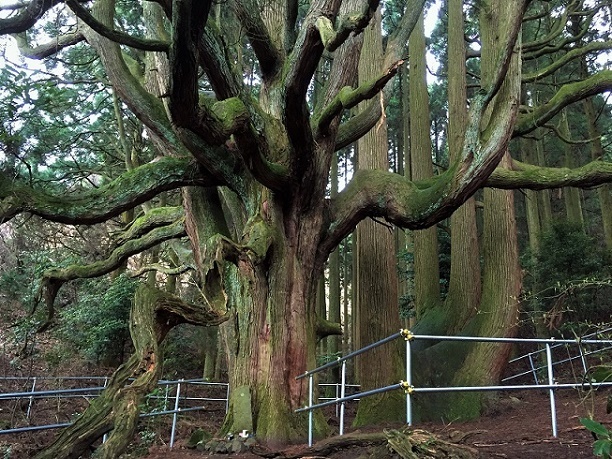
517	426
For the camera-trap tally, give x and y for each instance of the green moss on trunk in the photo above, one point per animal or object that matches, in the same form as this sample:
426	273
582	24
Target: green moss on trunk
154	313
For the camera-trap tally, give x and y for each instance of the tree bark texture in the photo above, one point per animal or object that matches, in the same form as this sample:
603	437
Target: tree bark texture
253	157
377	290
117	408
426	265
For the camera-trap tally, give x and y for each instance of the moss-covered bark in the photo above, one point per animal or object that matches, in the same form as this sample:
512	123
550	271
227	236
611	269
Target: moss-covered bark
99	204
263	227
152	229
376	305
117	409
426	266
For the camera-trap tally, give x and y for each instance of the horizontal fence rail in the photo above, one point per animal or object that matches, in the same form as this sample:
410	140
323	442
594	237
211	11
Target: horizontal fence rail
582	355
410	389
90	392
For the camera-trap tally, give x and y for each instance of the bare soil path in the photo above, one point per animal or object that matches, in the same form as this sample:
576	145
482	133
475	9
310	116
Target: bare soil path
518	426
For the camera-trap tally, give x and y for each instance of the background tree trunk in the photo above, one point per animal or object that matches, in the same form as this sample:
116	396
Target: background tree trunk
572	196
465	278
426	264
376	270
334	341
468	310
604	192
497	314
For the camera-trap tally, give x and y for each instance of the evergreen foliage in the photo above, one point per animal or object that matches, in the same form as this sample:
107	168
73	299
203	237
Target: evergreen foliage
97	324
567	282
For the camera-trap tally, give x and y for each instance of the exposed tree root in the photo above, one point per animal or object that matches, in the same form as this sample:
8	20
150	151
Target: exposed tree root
405	443
420	444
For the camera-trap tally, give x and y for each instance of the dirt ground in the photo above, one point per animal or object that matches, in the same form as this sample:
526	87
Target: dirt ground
517	426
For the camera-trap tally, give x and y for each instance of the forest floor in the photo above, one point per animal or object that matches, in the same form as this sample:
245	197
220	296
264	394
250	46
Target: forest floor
517	425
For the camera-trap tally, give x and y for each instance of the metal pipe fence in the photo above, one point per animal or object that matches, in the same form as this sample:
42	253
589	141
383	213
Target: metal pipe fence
582	355
409	389
179	396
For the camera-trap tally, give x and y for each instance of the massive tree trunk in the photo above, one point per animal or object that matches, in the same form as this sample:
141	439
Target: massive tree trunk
271	288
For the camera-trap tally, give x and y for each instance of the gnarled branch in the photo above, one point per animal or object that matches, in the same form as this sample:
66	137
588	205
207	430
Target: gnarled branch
48	49
161	269
98	205
377	193
348	97
54	279
152	316
360	124
25	19
566	58
214	61
147	107
332	36
269	57
115	35
566	95
527	176
154	218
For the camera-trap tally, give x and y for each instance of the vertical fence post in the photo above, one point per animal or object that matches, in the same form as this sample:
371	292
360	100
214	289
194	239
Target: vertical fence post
166	397
227	394
342	395
533	370
175	415
585	367
551	391
310	389
105	436
337	396
409	382
31	399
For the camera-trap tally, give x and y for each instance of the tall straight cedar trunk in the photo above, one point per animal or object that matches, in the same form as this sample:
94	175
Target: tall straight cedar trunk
571	195
426	266
604	192
377	301
464	288
468	310
497	314
335	342
498	311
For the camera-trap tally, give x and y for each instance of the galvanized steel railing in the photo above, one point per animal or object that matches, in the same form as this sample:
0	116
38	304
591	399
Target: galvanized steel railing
410	389
95	391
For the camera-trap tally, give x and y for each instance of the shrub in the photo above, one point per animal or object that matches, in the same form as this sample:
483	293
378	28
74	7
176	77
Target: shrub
568	279
97	325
